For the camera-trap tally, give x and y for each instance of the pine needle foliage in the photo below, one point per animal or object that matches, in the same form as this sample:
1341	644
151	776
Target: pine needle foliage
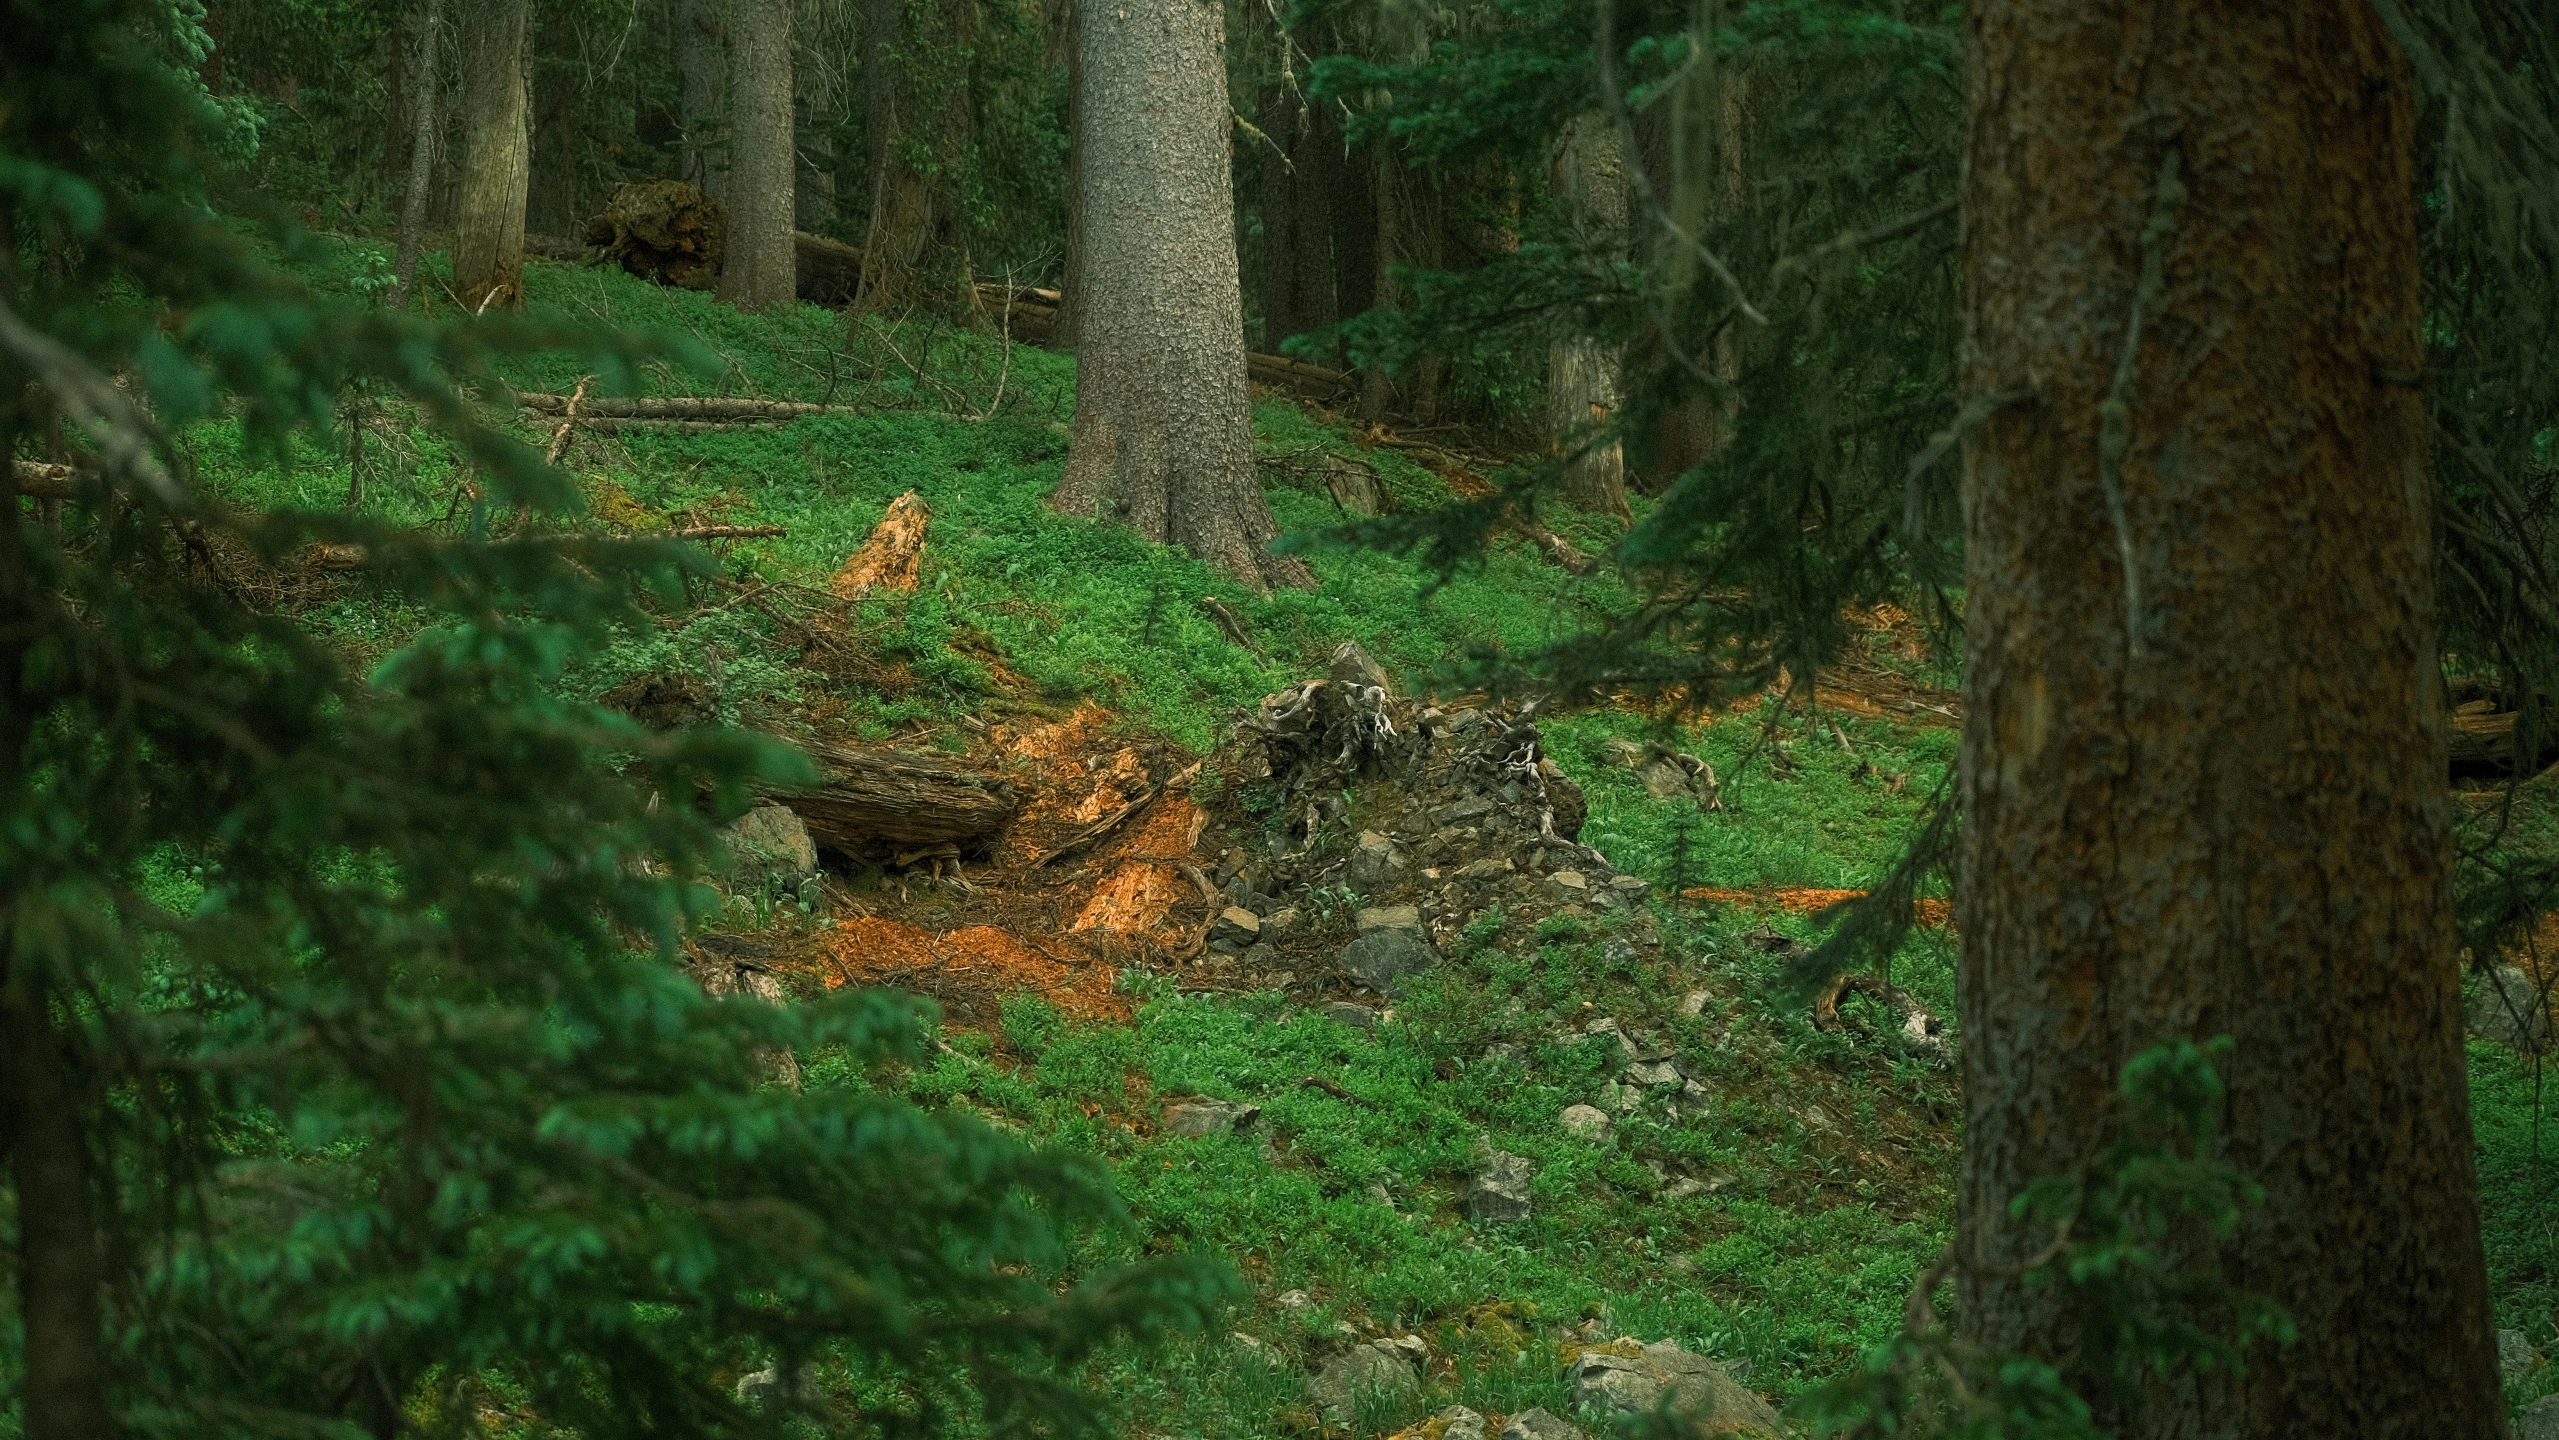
350	1087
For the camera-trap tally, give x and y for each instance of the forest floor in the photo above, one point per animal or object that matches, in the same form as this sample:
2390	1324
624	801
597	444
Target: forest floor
1771	1214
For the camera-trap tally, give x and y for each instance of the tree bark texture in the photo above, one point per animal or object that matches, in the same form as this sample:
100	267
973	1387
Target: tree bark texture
1068	326
61	1270
760	269
917	123
488	244
422	90
885	797
2203	764
1296	196
702	79
813	138
1582	385
552	203
1163	423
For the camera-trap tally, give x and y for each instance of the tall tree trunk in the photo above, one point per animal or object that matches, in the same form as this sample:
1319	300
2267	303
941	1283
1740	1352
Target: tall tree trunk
912	232
760	269
1297	216
1163	437
702	80
1582	383
422	88
1068	328
551	193
60	1268
488	244
813	139
2204	754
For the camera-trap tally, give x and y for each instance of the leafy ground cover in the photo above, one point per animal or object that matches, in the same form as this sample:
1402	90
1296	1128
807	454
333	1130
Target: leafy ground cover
1818	1176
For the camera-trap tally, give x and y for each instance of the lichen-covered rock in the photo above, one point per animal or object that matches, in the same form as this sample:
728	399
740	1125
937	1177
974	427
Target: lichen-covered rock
1381	959
1374	1369
1699	1390
1541	1424
1499	1194
2510	1011
1203	1116
1587	1121
769	845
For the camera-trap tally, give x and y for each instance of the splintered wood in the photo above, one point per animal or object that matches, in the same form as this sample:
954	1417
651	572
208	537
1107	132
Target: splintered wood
889	559
1145	880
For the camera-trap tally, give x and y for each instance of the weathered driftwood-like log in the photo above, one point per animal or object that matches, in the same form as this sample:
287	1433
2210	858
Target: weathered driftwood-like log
884	796
889	559
37	480
676	407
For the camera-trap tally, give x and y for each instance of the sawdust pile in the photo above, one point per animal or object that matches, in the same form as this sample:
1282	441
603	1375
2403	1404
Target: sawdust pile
968	969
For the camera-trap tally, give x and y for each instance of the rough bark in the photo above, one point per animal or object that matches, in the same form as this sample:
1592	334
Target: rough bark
1163	424
60	1268
881	796
1582	386
1296	197
423	91
760	269
813	139
702	63
1070	303
488	243
552	203
2204	748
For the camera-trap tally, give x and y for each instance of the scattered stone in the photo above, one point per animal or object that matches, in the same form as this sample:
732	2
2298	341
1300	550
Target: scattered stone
1618	950
1608	1029
1683	1188
1499	1194
1280	921
766	1387
1358	1017
1621	753
1208	1117
1355	666
1257	1347
1459	1423
1381	958
2515	1358
1630	887
1376	1368
1699	1390
1390	917
768	844
1694	1100
1259	955
1235	926
1619	1100
1539	1424
1460	811
1694	1002
2540	1420
1653	1072
1494	868
1662	779
1567	887
2510	1011
1587	1121
1498	1050
1294	1300
1373	864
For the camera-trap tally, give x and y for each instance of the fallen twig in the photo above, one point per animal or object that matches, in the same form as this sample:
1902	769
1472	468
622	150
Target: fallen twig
1099	828
568	422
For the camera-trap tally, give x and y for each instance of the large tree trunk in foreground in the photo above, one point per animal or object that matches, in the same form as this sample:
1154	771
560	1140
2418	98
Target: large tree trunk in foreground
702	64
488	244
759	269
1582	391
1163	425
423	89
2203	768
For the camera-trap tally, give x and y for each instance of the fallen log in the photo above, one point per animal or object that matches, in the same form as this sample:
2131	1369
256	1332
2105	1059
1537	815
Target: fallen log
727	532
828	271
37	480
890	558
677	407
875	797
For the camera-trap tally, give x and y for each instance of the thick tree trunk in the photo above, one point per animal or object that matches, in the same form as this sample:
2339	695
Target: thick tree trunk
702	67
488	243
1067	328
759	269
423	91
60	1269
1163	435
2204	748
1582	387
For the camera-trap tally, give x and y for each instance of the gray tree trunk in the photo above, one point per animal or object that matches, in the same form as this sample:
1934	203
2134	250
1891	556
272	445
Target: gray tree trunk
760	269
1163	437
813	138
1582	387
488	243
2204	746
422	85
702	63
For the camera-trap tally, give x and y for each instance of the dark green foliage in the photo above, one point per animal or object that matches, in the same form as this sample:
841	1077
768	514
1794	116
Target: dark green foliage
387	1099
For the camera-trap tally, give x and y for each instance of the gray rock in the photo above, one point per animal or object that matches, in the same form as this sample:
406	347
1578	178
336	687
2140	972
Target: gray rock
1374	865
2540	1420
1358	1017
1460	811
2509	1011
1628	1051
1566	887
1280	921
1257	1347
1373	1369
1653	1072
1662	779
769	844
1259	956
1630	887
1208	1117
2515	1357
1617	1099
1293	1300
1587	1121
1390	917
1494	868
1498	1195
1698	1389
1694	1002
1382	958
766	1387
1235	926
1353	666
1623	754
1459	1423
1541	1425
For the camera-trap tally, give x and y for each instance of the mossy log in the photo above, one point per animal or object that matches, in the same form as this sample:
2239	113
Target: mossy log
873	797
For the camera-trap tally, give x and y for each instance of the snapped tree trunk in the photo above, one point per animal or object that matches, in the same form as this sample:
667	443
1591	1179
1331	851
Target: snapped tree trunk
488	243
702	64
1582	388
422	88
760	269
1163	423
2203	762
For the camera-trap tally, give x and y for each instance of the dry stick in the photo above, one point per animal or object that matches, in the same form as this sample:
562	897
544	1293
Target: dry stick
568	422
1232	623
727	532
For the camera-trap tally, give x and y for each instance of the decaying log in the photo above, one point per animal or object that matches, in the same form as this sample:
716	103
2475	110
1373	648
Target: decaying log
889	559
829	271
594	409
1313	381
663	230
906	801
37	480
